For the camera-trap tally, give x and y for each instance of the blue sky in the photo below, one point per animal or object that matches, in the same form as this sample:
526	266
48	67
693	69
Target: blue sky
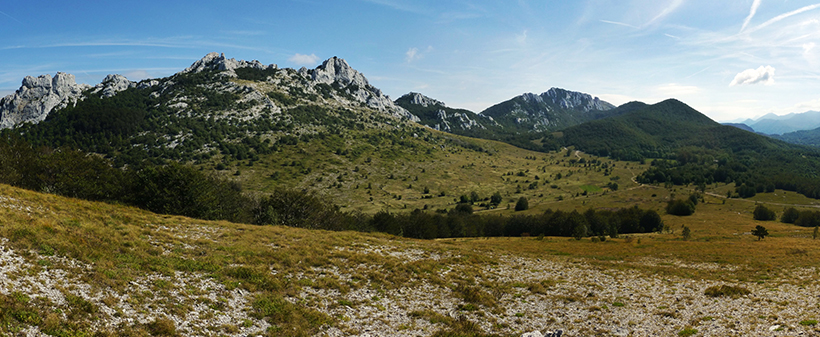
728	59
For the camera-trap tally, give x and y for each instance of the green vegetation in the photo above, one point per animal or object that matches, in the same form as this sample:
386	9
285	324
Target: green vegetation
726	290
764	214
522	204
760	232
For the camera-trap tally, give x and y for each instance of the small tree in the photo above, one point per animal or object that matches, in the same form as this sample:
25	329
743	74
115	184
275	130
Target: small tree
760	232
496	198
790	215
815	234
687	233
522	204
764	214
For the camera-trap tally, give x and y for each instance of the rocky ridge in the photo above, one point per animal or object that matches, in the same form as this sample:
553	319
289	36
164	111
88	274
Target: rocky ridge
38	96
336	72
437	115
218	62
551	110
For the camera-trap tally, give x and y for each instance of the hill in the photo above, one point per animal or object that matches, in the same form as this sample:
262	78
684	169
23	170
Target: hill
772	124
803	137
73	267
325	130
702	151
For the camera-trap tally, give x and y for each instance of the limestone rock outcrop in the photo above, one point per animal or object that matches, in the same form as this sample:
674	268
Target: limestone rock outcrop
37	97
218	62
336	71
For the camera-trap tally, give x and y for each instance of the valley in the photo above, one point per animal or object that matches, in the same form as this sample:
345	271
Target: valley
235	198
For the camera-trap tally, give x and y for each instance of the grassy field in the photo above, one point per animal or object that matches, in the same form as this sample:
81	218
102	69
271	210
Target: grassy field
432	173
184	265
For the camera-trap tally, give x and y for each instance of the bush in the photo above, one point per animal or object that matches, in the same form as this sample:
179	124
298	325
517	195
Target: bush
680	207
522	204
808	219
790	215
764	214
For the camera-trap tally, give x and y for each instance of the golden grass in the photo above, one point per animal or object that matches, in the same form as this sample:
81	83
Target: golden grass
125	243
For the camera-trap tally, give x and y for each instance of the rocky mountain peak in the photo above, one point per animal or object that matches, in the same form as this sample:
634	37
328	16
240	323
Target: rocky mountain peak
218	62
112	84
37	97
419	99
337	70
575	100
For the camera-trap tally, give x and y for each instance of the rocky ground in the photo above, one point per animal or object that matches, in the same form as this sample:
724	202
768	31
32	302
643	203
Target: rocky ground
510	295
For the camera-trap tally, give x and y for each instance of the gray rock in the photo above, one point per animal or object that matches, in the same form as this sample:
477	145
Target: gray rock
218	62
39	96
419	99
112	84
336	70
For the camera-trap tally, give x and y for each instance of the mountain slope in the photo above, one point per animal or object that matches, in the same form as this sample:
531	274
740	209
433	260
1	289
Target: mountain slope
704	152
776	125
552	110
802	137
657	130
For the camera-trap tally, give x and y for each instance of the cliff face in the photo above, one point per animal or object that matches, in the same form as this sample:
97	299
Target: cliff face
37	97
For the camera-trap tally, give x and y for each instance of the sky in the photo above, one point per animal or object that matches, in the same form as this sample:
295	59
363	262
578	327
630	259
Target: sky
728	59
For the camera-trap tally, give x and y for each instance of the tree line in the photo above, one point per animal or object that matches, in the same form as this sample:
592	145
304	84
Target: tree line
184	190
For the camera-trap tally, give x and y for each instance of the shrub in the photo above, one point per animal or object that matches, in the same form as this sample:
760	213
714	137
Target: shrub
687	233
808	219
687	332
764	214
760	232
725	290
522	204
680	207
790	215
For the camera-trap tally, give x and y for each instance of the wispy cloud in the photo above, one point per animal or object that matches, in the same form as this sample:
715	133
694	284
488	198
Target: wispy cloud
414	53
783	16
752	12
411	54
619	24
398	5
763	74
304	60
521	38
666	11
11	17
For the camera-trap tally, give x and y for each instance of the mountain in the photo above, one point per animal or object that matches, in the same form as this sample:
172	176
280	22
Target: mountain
703	151
740	126
526	121
802	137
437	115
776	125
552	110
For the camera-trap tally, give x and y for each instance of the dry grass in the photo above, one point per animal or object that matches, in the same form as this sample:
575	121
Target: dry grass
274	264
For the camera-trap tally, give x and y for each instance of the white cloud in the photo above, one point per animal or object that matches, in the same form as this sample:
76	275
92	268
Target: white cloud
412	54
752	12
304	60
136	75
762	74
784	16
521	38
666	11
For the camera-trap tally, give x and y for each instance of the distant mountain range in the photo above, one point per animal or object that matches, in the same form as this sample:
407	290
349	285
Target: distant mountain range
771	124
